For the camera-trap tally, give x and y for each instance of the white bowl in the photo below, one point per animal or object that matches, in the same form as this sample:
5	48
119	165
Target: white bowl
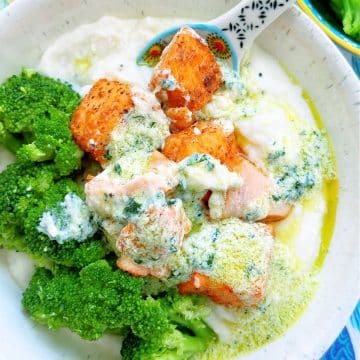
29	27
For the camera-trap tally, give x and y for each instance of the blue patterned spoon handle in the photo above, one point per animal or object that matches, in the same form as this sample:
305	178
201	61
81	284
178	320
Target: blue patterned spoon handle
245	21
228	36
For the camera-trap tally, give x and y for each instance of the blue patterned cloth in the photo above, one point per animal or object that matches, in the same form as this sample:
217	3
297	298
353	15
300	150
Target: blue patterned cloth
347	345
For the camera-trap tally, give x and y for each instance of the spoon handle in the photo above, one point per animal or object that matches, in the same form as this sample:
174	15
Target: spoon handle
246	20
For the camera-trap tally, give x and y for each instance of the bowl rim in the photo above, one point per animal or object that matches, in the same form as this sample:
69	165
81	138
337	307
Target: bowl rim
337	36
345	76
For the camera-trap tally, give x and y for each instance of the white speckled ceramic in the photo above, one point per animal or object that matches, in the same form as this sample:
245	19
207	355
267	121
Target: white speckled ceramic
27	27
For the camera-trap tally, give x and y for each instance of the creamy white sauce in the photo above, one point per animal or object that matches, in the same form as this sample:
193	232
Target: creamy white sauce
70	220
222	328
267	130
200	172
269	76
304	244
234	252
144	128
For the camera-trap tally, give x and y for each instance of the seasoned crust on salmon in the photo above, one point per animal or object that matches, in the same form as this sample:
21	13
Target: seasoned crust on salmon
97	115
191	67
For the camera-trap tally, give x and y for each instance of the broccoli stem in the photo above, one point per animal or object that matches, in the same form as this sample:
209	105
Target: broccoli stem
190	344
33	153
193	345
8	140
197	326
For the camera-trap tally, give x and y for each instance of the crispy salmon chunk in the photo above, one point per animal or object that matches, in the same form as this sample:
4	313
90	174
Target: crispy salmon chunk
202	284
158	235
220	293
98	114
278	211
252	201
203	137
160	176
187	74
233	267
141	225
180	118
256	190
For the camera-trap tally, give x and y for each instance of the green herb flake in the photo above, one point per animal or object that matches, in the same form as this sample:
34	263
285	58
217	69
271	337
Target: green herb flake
210	260
171	202
132	207
117	169
275	155
107	155
252	271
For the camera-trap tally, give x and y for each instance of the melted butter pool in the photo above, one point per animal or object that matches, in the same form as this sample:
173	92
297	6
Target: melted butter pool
330	193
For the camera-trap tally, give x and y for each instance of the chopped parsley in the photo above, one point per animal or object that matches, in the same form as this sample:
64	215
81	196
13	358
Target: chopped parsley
117	169
171	201
275	155
172	247
252	271
297	179
200	158
215	234
168	84
107	155
295	182
253	214
210	260
132	208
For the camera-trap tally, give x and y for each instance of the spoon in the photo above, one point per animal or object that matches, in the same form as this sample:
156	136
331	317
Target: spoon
228	36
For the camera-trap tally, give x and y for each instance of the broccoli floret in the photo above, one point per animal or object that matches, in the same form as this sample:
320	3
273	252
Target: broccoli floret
173	345
22	186
348	11
52	140
187	337
70	253
26	97
38	109
26	191
68	158
102	299
96	300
